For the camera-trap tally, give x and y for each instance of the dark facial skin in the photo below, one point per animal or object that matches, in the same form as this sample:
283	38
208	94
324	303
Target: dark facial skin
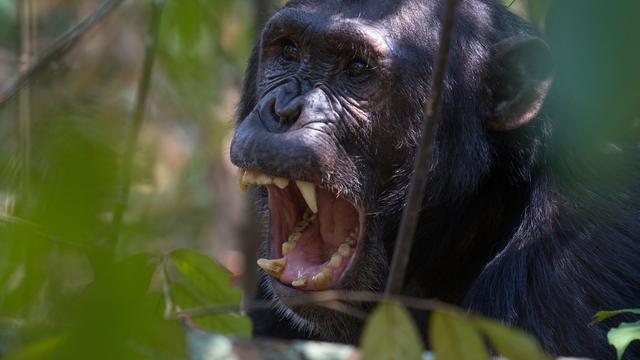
334	96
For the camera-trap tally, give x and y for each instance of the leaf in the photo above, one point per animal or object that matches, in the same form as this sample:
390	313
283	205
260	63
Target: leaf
537	10
604	315
202	282
390	333
43	349
623	335
511	343
453	337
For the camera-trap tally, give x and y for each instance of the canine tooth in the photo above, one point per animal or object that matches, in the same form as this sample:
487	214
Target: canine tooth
336	261
274	267
323	279
287	247
281	182
295	237
300	282
344	250
308	191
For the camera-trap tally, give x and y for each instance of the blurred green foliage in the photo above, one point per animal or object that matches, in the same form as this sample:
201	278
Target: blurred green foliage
65	292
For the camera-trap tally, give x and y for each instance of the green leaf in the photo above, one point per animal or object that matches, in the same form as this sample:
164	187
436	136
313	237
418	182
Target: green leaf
453	337
201	282
43	349
390	333
511	343
537	10
623	335
604	315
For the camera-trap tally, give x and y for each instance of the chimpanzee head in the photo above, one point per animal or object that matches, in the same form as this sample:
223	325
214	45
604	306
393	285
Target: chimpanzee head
330	120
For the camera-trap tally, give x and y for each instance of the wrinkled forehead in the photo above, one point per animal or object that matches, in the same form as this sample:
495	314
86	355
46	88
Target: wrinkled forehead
378	22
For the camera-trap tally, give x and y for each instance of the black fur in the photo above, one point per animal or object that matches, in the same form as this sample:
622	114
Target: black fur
514	226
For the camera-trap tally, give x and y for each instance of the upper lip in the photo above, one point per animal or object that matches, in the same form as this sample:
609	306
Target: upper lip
307	189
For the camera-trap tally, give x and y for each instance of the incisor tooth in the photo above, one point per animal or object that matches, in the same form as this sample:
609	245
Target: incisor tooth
263	179
287	247
248	177
336	261
241	184
308	191
300	282
281	182
274	267
344	250
323	279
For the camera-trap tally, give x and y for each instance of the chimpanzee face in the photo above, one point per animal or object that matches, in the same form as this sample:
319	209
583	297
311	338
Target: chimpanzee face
327	133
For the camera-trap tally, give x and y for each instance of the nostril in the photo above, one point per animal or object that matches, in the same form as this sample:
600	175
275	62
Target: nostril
289	111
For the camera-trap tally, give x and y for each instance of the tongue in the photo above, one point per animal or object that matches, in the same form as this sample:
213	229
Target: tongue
319	242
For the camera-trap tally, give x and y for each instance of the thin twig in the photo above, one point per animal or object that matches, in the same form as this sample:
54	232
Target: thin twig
60	47
404	240
251	243
27	29
318	298
151	45
37	230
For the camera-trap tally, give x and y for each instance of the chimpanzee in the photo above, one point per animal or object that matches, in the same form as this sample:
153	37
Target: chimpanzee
327	130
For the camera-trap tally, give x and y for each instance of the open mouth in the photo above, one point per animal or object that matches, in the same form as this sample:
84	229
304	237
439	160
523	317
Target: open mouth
314	233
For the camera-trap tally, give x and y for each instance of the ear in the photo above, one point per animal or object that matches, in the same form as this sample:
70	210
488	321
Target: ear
522	71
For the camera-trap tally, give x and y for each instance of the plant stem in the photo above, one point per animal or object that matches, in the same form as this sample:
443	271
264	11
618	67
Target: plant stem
151	45
60	47
404	240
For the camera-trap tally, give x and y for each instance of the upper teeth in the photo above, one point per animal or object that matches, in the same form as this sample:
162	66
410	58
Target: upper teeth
307	189
249	177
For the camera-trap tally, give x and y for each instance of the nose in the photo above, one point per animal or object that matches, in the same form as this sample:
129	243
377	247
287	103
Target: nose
288	103
289	111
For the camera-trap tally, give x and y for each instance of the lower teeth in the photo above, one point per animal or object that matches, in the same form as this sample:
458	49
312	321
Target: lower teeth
301	282
323	279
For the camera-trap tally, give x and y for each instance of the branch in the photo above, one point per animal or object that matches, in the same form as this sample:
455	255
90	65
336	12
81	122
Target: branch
404	240
60	47
27	48
151	44
318	298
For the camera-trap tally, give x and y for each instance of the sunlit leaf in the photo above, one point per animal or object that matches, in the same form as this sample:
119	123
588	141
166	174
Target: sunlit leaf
202	282
604	315
511	343
390	333
453	337
621	336
43	349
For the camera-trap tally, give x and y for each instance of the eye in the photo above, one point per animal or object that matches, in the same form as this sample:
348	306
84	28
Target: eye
290	51
358	67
